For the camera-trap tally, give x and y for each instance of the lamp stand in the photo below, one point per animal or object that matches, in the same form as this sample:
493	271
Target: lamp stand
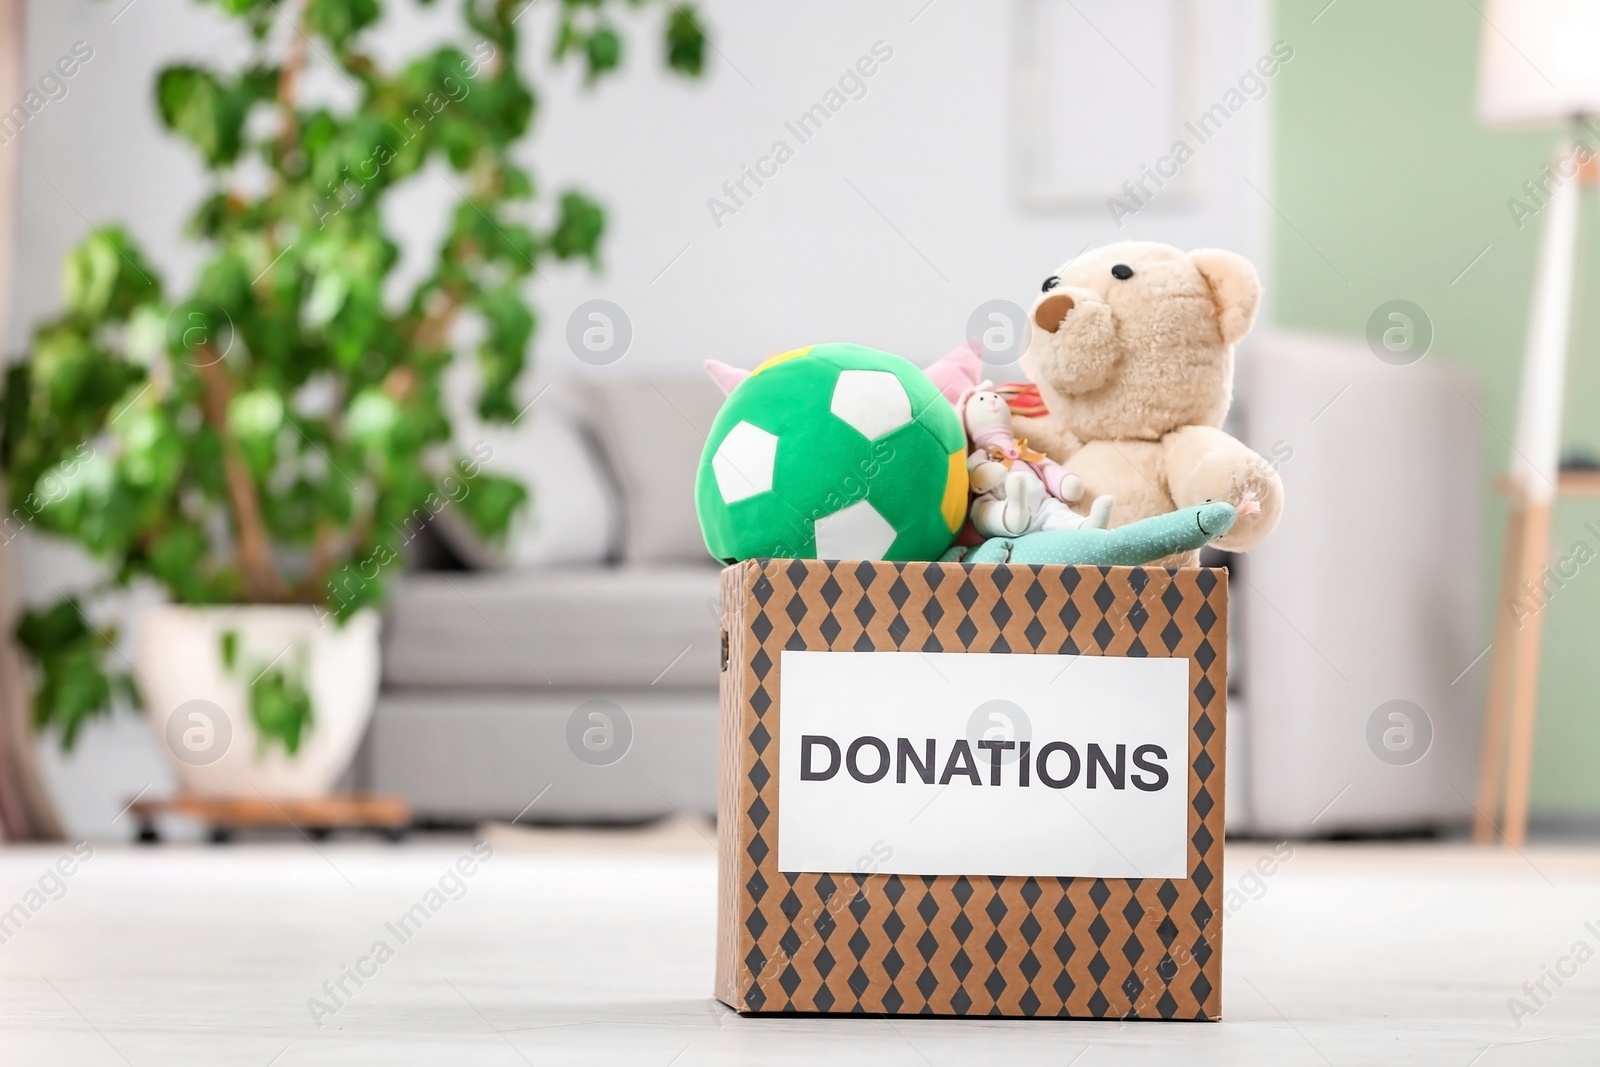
1532	486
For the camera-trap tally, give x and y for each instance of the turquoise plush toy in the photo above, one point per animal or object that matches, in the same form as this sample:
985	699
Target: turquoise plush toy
1137	543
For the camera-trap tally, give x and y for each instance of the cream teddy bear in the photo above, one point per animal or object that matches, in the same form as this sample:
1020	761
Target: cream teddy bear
1132	353
1017	490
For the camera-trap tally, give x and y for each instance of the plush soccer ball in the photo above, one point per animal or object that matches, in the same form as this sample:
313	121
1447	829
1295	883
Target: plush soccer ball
835	451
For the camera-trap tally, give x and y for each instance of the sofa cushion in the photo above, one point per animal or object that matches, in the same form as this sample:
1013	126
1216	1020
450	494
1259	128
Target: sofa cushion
595	626
470	754
652	432
574	515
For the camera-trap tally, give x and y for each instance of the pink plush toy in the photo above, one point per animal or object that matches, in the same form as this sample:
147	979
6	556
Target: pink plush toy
956	373
1017	490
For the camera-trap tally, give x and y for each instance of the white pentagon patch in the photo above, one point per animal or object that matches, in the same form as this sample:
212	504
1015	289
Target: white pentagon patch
743	462
855	532
872	401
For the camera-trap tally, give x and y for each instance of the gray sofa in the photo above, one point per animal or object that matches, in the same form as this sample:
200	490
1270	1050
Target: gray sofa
1367	592
607	595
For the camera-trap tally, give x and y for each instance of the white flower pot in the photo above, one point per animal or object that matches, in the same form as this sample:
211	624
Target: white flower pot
200	709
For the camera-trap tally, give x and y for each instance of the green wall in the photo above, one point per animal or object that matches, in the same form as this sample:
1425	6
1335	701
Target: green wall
1382	166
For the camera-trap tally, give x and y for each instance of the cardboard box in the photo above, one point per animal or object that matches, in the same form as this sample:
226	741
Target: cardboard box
1058	730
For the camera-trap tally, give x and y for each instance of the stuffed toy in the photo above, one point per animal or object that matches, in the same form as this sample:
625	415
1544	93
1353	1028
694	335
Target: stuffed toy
1132	353
1147	540
836	451
1016	489
957	371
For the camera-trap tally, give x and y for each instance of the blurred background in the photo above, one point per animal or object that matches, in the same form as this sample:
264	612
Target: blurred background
1337	144
1411	665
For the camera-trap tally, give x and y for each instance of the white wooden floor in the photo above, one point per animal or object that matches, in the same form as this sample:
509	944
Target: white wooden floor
600	953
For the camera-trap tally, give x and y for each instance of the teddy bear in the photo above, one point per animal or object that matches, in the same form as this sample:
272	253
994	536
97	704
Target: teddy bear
1016	490
1132	354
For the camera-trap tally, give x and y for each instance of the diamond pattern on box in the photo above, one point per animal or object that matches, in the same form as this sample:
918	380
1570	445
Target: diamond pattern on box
971	944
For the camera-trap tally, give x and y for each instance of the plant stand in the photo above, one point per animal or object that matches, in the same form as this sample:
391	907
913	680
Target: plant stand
315	816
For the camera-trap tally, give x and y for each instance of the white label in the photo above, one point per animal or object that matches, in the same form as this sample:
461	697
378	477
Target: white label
1051	766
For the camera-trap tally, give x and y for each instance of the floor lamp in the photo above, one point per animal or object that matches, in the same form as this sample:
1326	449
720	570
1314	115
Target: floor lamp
1537	67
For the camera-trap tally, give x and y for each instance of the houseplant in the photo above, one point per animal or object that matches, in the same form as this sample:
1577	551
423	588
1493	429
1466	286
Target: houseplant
263	446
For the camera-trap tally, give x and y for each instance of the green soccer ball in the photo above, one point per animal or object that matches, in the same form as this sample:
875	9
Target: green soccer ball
835	451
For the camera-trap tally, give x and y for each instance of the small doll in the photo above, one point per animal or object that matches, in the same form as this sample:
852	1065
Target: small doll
1015	489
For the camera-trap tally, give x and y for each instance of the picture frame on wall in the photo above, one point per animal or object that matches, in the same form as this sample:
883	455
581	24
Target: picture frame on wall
1137	60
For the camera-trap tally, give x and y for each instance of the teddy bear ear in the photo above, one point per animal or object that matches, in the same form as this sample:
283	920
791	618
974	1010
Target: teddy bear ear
1235	288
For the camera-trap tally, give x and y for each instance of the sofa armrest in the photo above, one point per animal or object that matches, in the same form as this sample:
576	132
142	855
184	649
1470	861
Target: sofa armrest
1369	591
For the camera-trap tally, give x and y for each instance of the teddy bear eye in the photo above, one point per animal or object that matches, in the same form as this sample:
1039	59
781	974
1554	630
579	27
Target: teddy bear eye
1050	283
1122	272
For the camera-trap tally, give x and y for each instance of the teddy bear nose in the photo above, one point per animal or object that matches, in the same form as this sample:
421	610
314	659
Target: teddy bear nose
1122	272
1049	312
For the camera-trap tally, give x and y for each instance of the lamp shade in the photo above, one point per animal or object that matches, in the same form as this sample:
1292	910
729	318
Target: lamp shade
1540	61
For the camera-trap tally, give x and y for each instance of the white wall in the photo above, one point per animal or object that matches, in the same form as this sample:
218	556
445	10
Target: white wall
930	146
889	227
809	258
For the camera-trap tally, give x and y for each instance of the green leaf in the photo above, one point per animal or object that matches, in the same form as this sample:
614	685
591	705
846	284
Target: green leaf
603	50
578	228
175	556
73	689
70	388
503	353
340	20
373	416
210	114
53	630
280	706
72	685
686	41
152	452
106	276
244	7
491	502
15	412
225	283
257	414
515	183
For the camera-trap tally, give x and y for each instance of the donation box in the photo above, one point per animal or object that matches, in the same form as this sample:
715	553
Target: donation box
971	790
